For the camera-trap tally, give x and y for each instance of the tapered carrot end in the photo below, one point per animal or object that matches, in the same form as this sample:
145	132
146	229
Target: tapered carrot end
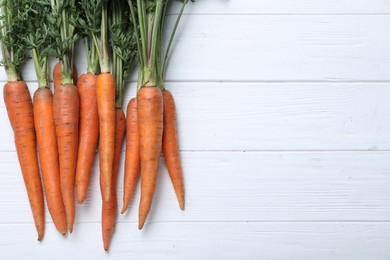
62	230
81	197
71	229
123	209
141	225
40	235
105	246
181	204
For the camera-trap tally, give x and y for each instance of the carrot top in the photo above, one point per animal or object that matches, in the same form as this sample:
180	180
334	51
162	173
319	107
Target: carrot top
122	39
13	24
62	18
95	13
39	39
149	17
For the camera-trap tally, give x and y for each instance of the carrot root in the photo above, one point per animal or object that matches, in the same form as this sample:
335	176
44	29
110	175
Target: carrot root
132	162
20	113
150	119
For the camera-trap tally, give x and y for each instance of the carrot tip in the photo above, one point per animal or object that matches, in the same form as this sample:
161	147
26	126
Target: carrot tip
141	225
123	210
81	199
71	230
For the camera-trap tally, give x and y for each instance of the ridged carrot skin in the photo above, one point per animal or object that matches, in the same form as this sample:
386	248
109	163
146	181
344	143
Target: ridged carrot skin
20	113
150	120
132	162
170	147
57	75
88	133
109	209
66	119
105	89
48	156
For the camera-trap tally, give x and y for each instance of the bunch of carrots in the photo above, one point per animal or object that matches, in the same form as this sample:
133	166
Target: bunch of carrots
86	112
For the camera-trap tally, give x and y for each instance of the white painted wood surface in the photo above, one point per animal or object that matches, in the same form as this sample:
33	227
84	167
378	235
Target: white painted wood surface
284	118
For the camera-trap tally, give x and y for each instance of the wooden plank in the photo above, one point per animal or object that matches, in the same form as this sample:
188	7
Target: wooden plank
275	186
331	241
278	116
275	48
287	7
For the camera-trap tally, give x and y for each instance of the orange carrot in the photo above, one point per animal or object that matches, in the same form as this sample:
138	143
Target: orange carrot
48	156
66	118
89	133
106	107
57	75
20	113
170	147
150	118
132	162
109	209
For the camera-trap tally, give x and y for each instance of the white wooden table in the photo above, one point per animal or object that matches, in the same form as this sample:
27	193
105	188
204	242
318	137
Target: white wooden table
284	117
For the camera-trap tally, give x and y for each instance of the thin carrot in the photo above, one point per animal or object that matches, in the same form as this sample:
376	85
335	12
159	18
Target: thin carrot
106	107
150	118
149	23
48	155
109	209
66	118
96	20
170	147
14	47
88	133
20	112
57	75
132	162
66	103
43	113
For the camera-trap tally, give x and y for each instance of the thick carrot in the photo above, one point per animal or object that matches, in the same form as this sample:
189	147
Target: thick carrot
170	147
48	156
109	209
150	119
66	118
57	75
20	113
132	162
88	133
106	107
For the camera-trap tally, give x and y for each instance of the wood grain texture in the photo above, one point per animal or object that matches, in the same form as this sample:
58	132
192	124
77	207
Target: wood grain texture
287	7
280	241
272	116
276	186
284	126
275	48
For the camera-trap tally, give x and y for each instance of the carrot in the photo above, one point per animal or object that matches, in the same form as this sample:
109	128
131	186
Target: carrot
88	133
150	118
106	107
14	47
132	162
20	113
48	151
57	75
66	118
66	103
95	19
170	147
109	209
